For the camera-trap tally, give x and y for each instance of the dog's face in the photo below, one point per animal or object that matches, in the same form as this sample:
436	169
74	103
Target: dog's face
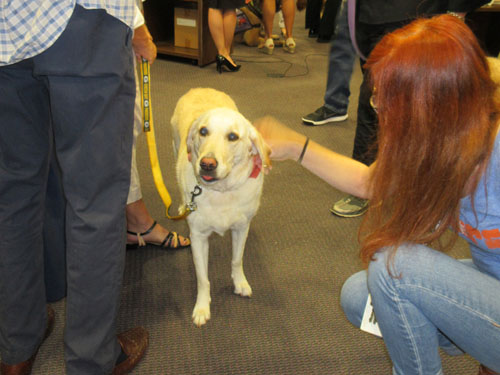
223	148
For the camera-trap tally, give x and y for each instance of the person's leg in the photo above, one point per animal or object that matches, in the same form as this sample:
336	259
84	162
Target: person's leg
353	297
427	292
340	66
140	221
229	22
328	20
365	138
92	100
221	24
24	164
341	63
367	124
288	8
364	149
138	218
268	11
54	236
313	16
216	26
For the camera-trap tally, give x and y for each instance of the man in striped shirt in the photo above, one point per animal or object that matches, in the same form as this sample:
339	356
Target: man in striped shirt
66	83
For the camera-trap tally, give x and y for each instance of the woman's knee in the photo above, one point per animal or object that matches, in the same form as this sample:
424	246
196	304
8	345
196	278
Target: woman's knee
391	268
378	269
353	297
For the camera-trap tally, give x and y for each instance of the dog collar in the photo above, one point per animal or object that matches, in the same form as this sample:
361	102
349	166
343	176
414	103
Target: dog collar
257	166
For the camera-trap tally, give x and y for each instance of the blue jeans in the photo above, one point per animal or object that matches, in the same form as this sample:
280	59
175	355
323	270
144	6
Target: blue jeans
431	301
340	66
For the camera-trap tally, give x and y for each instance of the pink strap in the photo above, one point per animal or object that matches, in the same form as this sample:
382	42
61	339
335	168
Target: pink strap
351	17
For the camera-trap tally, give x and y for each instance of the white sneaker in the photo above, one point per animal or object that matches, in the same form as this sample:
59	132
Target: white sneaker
350	206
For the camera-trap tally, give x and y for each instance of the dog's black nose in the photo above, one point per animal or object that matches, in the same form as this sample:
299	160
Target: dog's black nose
208	164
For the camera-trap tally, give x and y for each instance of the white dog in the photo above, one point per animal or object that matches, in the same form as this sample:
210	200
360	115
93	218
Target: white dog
219	160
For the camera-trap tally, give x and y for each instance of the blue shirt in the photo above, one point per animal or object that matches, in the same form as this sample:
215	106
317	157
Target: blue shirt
29	27
482	228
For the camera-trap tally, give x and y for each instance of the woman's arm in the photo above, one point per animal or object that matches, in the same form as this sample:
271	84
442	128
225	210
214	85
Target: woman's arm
340	171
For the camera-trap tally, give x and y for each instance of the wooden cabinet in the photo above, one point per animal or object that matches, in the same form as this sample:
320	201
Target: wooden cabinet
159	15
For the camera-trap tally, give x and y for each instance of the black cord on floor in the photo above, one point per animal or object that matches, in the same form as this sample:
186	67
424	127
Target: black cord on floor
280	60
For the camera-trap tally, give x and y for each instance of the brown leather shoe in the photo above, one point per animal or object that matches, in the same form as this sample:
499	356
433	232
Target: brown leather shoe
134	343
24	368
483	370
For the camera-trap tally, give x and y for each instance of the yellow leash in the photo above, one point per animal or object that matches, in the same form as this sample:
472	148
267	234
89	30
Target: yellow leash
147	117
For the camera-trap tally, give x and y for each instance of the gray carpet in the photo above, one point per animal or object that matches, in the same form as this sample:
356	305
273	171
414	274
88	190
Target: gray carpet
297	255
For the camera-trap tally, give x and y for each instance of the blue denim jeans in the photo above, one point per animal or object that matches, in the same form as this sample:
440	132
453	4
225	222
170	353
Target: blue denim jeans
429	300
340	66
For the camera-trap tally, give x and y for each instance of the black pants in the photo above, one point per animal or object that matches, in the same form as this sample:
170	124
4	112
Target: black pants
365	140
324	25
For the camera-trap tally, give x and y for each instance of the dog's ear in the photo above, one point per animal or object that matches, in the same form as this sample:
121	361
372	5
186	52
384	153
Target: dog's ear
191	137
259	147
494	64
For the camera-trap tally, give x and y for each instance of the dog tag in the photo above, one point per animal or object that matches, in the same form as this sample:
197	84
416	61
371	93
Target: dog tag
191	206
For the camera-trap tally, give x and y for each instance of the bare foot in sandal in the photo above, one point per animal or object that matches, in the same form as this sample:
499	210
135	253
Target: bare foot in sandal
143	230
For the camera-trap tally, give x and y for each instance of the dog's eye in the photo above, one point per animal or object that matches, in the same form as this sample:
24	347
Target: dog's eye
203	131
233	137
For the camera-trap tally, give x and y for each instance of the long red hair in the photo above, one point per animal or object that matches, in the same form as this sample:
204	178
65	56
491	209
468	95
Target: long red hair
434	96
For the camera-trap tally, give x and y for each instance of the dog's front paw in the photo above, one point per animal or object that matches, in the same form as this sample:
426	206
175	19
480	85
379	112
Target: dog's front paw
201	314
243	289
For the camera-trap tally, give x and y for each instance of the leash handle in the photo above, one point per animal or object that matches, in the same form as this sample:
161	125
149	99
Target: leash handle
145	95
151	140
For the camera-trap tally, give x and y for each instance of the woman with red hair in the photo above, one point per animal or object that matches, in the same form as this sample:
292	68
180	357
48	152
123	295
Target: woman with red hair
437	167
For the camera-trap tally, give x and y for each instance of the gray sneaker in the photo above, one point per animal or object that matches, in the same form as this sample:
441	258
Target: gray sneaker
350	206
323	116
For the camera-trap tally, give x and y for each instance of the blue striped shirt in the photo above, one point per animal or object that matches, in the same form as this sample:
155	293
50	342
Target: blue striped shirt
29	27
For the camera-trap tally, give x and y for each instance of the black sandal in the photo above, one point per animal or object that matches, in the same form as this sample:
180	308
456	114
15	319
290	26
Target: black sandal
171	241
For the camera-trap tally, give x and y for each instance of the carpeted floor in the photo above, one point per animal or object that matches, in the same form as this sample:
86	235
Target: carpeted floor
297	255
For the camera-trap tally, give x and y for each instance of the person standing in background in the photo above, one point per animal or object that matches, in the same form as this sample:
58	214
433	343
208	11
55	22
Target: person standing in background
268	12
222	23
340	66
375	18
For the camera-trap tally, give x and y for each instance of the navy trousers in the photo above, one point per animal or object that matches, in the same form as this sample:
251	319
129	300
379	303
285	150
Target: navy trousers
80	93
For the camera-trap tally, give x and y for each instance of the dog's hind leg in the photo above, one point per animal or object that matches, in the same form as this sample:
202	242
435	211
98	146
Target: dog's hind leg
199	248
239	238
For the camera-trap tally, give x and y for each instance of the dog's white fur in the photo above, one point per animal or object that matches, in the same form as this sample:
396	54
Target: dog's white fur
494	64
230	197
